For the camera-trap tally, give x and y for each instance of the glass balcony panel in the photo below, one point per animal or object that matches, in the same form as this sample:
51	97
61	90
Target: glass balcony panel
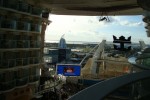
18	37
33	54
5	3
37	54
10	55
1	44
36	11
31	61
20	44
7	85
4	44
2	96
32	44
11	63
1	2
37	78
37	71
32	27
32	71
1	36
2	76
0	63
0	21
1	54
26	44
5	56
5	36
34	78
25	72
30	53
13	44
19	73
9	4
22	81
25	62
25	37
7	76
36	60
37	44
36	27
31	78
19	62
18	55
24	54
4	64
23	26
6	23
24	7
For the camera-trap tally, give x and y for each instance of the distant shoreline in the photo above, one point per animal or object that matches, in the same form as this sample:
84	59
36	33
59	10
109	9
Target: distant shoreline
82	42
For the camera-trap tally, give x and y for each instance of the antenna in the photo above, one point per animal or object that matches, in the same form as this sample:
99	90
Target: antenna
63	36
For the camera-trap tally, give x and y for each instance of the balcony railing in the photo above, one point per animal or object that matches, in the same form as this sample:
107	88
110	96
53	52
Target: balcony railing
19	25
23	26
7	85
22	43
10	44
34	60
24	7
22	81
9	4
36	27
21	6
10	63
33	78
18	82
7	23
36	11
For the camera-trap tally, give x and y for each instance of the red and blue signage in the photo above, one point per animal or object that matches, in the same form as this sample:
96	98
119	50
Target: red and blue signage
69	69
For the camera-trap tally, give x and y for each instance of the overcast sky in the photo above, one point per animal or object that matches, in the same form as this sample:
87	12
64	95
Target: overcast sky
88	28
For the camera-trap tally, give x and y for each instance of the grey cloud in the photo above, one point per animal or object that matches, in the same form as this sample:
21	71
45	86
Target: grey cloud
131	24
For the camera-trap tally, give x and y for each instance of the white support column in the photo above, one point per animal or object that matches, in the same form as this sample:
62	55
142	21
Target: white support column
97	56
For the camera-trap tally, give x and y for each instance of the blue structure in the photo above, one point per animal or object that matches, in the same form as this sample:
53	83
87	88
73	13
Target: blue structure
57	55
69	69
62	43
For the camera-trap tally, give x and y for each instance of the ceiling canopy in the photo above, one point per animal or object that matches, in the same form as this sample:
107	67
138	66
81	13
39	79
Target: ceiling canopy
90	7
